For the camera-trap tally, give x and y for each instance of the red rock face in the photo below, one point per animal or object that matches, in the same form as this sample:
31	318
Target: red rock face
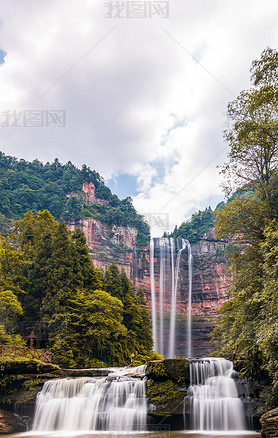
210	286
210	282
106	245
89	190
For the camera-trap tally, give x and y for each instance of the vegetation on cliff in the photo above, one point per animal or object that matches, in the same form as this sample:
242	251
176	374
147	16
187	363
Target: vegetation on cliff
58	188
195	228
248	324
51	292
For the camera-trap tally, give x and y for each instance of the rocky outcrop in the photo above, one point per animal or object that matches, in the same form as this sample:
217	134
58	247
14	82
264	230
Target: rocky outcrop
167	383
269	422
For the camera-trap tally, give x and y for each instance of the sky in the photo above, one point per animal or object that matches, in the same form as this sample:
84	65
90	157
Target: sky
136	90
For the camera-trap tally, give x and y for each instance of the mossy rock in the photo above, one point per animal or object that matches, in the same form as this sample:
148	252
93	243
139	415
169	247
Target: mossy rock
176	370
269	422
26	367
167	385
165	398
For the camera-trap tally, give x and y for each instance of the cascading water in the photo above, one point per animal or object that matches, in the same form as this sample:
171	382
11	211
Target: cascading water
169	252
117	404
213	397
189	328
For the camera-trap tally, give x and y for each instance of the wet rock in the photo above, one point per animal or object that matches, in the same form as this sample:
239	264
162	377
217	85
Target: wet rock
269	422
10	423
167	386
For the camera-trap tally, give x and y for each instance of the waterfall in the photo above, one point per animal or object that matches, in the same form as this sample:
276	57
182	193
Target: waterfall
189	331
167	252
213	396
113	404
154	327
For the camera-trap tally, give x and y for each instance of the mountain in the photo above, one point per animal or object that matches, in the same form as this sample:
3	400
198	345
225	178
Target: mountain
115	232
67	192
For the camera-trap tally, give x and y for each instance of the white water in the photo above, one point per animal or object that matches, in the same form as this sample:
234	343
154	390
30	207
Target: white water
154	325
90	404
189	325
170	252
175	278
213	396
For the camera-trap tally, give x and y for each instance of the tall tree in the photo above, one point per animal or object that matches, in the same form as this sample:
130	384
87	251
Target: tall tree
253	133
248	323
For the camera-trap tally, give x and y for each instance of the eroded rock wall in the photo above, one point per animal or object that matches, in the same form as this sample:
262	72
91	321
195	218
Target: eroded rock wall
210	286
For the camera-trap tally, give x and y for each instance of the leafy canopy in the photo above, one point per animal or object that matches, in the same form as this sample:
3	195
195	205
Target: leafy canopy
247	327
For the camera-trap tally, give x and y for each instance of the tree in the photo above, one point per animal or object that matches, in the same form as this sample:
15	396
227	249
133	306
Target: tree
136	317
48	283
253	135
247	325
95	328
10	307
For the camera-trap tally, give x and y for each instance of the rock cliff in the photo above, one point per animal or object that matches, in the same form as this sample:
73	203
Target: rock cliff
210	286
211	281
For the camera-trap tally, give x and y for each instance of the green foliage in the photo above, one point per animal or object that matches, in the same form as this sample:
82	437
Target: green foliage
195	228
9	338
253	133
57	188
248	324
48	280
135	316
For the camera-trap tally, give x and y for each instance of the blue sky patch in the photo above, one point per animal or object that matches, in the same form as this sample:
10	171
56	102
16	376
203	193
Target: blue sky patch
2	56
123	185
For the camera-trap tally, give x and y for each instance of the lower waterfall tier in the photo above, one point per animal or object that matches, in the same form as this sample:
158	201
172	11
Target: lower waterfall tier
112	404
213	396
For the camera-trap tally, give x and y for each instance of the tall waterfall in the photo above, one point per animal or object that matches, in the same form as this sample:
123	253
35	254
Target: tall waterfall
117	404
167	252
213	396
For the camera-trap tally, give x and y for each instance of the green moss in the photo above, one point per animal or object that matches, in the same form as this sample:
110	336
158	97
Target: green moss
160	393
169	369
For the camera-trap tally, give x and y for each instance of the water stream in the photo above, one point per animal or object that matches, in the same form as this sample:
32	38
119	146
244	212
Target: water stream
165	255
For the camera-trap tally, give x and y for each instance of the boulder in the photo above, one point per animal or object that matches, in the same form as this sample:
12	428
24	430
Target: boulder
269	422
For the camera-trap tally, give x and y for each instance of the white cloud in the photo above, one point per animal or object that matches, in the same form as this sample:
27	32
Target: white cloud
137	101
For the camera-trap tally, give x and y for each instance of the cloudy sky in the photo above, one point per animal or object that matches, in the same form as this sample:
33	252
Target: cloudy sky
137	90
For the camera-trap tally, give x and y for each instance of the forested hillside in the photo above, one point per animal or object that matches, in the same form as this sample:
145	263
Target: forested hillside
195	228
51	291
57	187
